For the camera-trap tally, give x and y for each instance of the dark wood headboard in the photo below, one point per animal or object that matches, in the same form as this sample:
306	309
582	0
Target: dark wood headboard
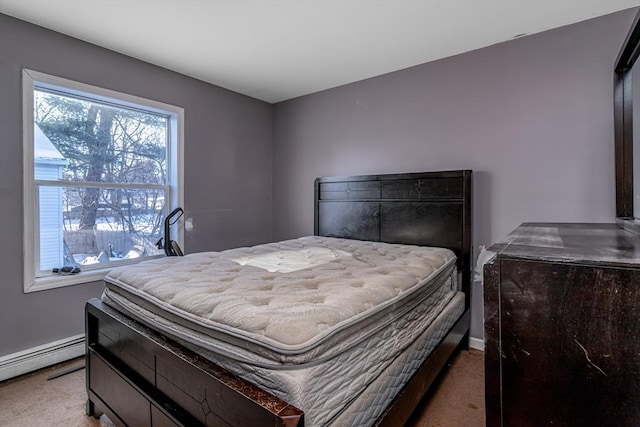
425	209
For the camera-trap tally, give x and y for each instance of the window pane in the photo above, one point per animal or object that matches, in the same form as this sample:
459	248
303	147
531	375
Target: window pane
122	224
90	141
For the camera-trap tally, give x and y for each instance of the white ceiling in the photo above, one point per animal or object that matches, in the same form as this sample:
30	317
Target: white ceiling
280	49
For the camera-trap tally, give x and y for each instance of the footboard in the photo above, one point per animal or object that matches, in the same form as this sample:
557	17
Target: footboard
137	377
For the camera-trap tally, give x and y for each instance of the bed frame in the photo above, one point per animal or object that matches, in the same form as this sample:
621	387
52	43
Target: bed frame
138	377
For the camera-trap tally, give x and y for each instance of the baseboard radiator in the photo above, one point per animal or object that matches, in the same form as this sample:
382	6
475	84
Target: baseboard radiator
41	356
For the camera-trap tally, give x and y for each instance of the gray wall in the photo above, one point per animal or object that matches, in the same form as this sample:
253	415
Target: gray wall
533	118
227	177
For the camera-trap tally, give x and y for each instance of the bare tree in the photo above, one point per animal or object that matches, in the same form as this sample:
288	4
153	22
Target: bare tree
98	136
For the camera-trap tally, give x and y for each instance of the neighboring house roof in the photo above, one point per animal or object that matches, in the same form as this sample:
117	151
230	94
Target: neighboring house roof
44	150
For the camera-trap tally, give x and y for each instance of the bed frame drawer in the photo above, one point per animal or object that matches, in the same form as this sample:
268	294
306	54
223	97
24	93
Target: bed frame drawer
132	407
159	419
123	345
193	391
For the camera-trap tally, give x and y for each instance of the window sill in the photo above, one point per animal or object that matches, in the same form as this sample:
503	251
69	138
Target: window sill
56	281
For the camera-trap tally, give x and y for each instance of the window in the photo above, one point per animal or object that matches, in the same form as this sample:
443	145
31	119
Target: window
102	169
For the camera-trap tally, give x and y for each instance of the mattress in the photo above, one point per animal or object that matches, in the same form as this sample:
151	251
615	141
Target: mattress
314	320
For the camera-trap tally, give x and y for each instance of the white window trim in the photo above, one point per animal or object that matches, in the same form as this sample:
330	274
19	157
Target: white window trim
31	79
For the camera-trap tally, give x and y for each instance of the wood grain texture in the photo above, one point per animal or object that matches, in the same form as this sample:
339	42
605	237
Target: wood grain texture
562	304
354	220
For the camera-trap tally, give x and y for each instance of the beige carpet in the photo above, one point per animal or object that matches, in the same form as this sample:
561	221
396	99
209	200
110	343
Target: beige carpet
31	400
457	400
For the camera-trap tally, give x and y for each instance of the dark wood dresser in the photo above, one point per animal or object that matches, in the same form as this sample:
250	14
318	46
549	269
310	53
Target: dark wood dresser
562	327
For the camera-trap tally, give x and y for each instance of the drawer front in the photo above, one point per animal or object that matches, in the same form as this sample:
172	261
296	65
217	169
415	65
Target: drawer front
125	345
132	407
569	344
160	419
211	402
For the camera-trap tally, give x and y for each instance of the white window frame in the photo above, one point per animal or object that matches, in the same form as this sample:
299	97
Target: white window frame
34	79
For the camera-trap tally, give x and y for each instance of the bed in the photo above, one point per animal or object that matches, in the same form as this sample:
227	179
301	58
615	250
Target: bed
158	354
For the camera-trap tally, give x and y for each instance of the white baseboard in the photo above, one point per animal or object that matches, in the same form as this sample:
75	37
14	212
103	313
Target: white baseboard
40	357
476	343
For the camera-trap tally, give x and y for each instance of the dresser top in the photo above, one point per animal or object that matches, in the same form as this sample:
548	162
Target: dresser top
572	242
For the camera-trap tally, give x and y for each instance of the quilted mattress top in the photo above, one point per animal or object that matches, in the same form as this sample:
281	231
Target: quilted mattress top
288	296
